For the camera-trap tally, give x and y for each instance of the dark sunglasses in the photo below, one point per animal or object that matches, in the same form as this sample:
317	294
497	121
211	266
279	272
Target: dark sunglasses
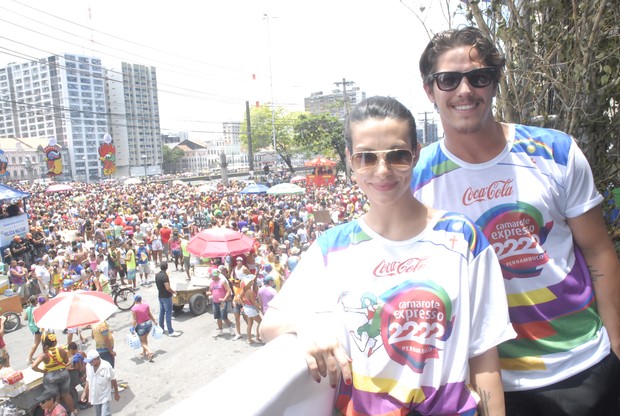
397	159
477	78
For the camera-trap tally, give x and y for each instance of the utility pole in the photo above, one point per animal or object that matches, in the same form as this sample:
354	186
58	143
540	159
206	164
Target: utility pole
249	130
426	113
345	101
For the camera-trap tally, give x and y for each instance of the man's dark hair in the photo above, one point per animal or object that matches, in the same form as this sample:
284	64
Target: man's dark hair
442	42
163	265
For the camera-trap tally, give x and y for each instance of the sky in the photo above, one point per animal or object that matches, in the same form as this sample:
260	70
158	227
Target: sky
213	56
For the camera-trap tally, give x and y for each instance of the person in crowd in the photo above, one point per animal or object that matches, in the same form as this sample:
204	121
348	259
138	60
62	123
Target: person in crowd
266	292
104	342
142	323
130	262
77	373
56	377
18	279
401	308
221	294
165	294
156	247
33	302
531	191
100	382
142	260
251	307
43	276
175	248
49	405
186	256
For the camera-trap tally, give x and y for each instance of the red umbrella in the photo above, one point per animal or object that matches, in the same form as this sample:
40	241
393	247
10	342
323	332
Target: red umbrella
320	161
298	178
73	309
218	242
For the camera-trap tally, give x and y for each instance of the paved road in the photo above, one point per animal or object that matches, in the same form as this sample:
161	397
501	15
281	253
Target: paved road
181	364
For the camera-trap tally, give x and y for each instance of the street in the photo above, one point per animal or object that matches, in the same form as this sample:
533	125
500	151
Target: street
181	364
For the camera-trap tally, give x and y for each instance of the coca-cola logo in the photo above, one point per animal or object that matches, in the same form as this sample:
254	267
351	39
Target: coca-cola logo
392	268
495	190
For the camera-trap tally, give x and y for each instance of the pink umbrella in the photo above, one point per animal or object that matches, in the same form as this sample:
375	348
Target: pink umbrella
73	309
298	178
218	242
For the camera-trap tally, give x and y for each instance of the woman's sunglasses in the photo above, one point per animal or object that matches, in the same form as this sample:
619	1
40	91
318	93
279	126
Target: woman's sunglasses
477	78
397	159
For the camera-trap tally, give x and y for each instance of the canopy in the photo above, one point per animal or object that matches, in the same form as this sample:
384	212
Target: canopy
8	194
285	189
320	161
59	187
254	188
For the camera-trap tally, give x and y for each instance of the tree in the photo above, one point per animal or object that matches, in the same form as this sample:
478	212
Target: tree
563	72
320	134
262	123
171	158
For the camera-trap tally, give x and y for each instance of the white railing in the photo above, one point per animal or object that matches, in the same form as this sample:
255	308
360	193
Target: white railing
285	387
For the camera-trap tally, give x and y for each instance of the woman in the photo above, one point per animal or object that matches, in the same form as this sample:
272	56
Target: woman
18	278
251	307
143	321
56	377
175	248
405	303
156	247
34	329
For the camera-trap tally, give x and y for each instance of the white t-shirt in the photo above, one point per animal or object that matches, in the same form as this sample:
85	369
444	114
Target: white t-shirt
521	200
410	313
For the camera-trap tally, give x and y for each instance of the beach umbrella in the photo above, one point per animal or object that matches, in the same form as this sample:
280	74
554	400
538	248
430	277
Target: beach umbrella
218	242
179	182
59	187
132	181
254	188
206	188
285	189
298	178
73	309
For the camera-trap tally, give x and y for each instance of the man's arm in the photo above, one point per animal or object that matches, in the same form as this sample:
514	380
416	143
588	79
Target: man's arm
117	396
590	235
169	289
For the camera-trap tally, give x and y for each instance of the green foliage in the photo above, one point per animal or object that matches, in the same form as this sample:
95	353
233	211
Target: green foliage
262	123
320	135
563	71
171	158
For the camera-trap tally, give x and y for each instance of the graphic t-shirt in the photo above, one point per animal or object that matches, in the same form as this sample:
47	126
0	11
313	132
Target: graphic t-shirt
409	313
521	200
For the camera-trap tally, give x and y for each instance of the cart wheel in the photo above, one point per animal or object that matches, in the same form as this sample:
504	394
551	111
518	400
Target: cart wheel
177	308
198	304
124	299
12	321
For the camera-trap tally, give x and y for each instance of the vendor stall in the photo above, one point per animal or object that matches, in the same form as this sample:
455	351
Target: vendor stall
323	172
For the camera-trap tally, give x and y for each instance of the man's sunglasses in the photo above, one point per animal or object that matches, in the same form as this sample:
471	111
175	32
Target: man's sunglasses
397	159
477	78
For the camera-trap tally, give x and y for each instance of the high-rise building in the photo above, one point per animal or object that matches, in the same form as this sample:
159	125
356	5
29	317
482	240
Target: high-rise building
65	97
61	96
134	119
334	103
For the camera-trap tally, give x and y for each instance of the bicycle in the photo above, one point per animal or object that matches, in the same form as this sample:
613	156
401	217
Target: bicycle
13	321
123	296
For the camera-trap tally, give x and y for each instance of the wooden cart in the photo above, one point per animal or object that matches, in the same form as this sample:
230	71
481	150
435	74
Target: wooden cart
193	293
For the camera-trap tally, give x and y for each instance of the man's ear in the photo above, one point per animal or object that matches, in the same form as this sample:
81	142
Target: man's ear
428	89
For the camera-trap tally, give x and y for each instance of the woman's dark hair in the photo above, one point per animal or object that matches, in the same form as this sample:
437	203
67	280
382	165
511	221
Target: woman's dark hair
380	108
442	42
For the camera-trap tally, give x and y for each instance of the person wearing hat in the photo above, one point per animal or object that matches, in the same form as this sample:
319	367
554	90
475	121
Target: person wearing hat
100	381
221	295
142	322
142	261
56	378
47	401
267	291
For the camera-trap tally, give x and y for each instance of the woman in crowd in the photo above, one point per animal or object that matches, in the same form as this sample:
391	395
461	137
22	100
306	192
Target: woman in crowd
143	321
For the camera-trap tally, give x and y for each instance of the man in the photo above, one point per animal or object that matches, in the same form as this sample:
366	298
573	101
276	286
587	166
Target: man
186	256
142	260
267	292
43	276
221	294
130	261
100	380
104	342
165	233
531	191
165	293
